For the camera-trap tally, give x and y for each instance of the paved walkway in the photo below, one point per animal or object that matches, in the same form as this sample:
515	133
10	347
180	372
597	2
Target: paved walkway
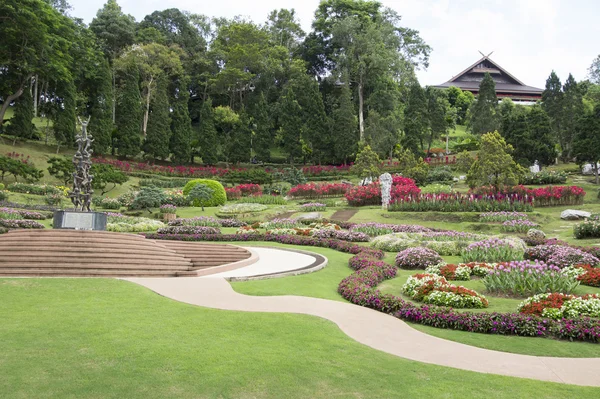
380	331
270	261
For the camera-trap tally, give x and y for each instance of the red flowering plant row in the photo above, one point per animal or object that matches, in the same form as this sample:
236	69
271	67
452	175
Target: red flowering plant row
360	288
318	190
403	188
458	202
541	196
243	190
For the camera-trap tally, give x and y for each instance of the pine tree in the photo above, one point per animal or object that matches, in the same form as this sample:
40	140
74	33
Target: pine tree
415	119
65	116
587	140
484	118
263	139
20	124
552	103
101	125
291	123
158	134
542	140
572	109
208	134
129	114
238	146
315	129
345	128
181	128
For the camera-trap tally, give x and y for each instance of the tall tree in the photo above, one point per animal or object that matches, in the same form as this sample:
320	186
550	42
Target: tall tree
207	134
291	124
415	119
181	128
437	109
101	95
238	145
261	124
129	115
35	40
594	71
587	140
484	118
552	102
116	31
541	141
572	108
21	125
156	144
284	28
65	117
344	126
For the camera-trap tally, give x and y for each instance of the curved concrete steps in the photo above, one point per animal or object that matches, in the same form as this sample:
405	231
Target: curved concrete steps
82	253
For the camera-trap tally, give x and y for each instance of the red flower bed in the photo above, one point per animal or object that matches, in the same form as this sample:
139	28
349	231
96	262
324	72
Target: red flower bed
250	189
403	188
314	190
592	277
233	193
541	196
553	301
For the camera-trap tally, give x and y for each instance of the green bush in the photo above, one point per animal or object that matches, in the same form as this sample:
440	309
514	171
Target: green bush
3	196
218	197
163	183
440	174
290	175
36	189
1	186
148	197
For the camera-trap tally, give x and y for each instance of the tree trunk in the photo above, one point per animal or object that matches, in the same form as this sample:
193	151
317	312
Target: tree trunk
114	95
147	111
596	170
8	100
35	98
361	120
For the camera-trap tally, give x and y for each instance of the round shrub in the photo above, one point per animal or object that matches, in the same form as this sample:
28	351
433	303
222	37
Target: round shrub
3	196
417	258
219	197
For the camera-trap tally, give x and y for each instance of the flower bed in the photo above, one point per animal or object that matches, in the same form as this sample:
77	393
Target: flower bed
435	290
233	193
36	189
444	243
353	236
558	305
561	256
9	213
494	250
457	202
591	276
402	189
20	224
417	258
240	209
462	271
542	196
189	230
519	226
525	279
587	229
378	229
282	223
313	207
502	216
314	190
360	288
130	224
198	221
168	209
545	177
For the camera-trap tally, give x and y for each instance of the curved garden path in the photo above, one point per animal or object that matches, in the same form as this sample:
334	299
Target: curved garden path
380	331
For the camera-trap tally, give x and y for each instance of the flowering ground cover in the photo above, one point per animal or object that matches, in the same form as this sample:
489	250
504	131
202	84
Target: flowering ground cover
518	226
559	305
318	190
494	250
502	216
435	290
444	243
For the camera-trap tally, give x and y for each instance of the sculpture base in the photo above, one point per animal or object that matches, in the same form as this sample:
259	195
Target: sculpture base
78	220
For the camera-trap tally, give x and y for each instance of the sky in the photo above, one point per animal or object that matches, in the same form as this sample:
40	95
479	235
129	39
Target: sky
529	38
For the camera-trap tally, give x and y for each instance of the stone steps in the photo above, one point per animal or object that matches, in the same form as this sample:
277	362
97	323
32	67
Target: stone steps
80	253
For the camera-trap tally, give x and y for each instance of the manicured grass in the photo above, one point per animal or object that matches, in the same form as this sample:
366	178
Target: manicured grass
521	345
100	338
321	284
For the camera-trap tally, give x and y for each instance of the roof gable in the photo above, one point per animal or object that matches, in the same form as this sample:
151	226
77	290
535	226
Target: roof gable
475	72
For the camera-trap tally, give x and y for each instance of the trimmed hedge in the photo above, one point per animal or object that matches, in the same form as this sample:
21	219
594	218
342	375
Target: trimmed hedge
219	197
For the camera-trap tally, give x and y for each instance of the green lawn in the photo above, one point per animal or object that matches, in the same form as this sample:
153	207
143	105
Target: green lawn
100	338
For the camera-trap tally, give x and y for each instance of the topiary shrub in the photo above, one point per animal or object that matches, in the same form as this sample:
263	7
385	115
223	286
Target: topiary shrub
3	195
219	197
148	197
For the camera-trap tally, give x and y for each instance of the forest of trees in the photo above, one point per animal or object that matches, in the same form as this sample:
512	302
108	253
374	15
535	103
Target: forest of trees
180	86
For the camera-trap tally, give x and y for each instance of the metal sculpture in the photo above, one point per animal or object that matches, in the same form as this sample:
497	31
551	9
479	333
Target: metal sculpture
81	195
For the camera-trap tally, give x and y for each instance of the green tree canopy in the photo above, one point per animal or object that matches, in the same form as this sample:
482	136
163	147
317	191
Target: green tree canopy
484	118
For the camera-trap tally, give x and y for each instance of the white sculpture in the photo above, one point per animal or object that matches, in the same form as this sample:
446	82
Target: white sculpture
535	168
385	180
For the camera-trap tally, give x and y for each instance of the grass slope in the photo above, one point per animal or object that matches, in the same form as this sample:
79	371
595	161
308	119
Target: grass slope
100	338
